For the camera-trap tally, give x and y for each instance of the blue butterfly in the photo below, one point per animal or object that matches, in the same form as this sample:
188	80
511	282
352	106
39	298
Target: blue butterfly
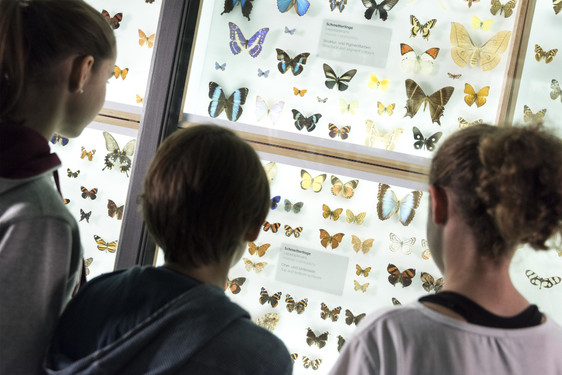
301	6
57	138
219	66
232	105
388	204
290	31
337	4
246	6
305	122
295	65
275	201
262	73
253	45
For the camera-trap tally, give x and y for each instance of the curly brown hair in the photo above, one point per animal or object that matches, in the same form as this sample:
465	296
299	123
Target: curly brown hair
506	183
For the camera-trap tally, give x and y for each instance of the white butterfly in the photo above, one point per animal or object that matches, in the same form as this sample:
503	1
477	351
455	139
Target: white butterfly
556	91
414	63
262	110
348	107
389	205
406	246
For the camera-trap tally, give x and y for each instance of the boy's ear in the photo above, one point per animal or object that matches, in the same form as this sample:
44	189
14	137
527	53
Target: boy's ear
252	233
80	72
439	204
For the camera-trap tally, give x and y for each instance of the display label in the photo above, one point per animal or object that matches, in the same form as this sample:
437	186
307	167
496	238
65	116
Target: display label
312	269
355	43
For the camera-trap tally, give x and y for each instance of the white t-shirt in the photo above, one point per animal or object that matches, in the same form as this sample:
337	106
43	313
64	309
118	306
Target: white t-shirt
414	339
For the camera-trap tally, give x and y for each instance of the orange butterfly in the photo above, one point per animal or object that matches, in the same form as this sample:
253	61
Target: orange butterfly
299	92
235	284
89	154
326	313
400	277
89	193
113	21
149	40
326	239
273	226
117	71
260	250
102	245
265	297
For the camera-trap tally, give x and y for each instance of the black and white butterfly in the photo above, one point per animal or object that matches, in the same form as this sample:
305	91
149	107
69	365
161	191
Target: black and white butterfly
305	122
421	141
382	8
342	81
546	282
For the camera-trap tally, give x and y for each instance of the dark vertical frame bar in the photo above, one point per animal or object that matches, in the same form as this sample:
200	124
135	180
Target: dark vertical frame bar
162	112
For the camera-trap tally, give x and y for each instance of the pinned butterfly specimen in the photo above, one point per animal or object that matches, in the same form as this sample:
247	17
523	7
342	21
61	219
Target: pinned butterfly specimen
115	154
333	80
118	72
382	109
270	170
405	278
374	136
271	226
103	246
87	263
257	267
327	213
395	302
89	193
465	124
341	342
259	250
424	30
346	190
364	246
426	253
245	5
144	39
546	55
254	45
529	116
263	110
547	282
290	31
454	76
421	141
338	4
362	271
295	232
85	216
436	101
348	107
87	154
266	298
477	23
114	21
557	6
343	132
414	63
404	246
327	240
232	106
301	6
472	96
326	313
307	362
316	182
294	357
296	306
296	207
114	211
263	74
429	282
299	92
556	91
465	52
471	1
268	321
312	339
139	99
66	201
361	287
58	138
382	8
234	285
72	174
275	201
389	205
352	219
295	65
353	319
376	84
506	9
220	66
308	123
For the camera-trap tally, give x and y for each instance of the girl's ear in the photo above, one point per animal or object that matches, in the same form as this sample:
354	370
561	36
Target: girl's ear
439	204
81	71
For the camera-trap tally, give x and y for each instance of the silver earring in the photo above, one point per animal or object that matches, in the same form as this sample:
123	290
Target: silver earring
81	91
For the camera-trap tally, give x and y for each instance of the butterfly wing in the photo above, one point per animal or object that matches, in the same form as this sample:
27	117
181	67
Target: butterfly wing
412	200
464	50
218	99
556	91
387	204
234	104
437	102
261	108
557	6
331	77
416	97
343	81
490	52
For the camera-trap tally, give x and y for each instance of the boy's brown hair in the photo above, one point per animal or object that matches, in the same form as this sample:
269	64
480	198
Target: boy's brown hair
204	190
